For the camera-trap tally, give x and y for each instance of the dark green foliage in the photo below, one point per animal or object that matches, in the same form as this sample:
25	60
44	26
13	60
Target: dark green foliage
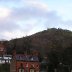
56	40
53	59
56	43
45	41
5	68
67	56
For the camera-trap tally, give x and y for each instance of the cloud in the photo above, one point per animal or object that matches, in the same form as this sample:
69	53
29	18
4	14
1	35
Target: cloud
2	37
36	3
28	12
6	23
13	34
32	17
8	26
4	12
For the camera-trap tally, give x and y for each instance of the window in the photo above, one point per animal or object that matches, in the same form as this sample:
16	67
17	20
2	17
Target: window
32	70
21	70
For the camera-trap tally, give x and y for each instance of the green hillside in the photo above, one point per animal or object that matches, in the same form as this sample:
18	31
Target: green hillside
54	43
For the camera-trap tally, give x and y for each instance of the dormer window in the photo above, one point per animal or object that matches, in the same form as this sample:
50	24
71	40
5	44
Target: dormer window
21	69
32	70
32	59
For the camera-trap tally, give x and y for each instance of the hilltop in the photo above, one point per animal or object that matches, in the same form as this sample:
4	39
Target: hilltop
44	41
54	43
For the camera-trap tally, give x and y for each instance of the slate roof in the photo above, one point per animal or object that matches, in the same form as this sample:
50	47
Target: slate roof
26	58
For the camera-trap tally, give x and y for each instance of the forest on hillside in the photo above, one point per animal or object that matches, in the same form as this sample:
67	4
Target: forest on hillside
54	43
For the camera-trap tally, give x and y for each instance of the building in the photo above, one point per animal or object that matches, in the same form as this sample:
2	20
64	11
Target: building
5	59
2	49
24	63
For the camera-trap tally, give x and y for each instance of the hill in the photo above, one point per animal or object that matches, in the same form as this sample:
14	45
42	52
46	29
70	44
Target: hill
55	44
45	41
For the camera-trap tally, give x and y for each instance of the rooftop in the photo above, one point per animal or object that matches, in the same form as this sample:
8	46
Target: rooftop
26	58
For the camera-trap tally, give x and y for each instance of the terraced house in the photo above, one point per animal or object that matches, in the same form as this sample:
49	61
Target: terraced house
24	63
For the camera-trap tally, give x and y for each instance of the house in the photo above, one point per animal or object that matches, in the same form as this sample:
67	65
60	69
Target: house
5	59
2	49
24	63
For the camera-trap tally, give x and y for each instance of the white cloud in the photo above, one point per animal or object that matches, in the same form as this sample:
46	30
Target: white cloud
36	3
8	25
4	12
14	34
32	17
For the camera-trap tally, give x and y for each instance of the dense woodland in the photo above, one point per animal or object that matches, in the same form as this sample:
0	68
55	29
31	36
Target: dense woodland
54	43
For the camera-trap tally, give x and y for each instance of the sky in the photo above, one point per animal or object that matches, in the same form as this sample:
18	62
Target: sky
19	18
